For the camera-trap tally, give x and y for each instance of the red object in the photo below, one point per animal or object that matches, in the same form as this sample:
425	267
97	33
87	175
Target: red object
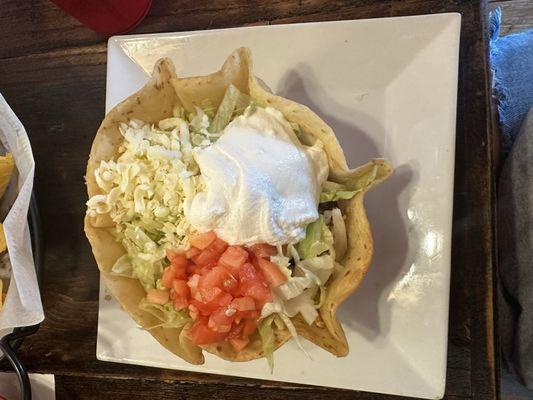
167	277
223	292
271	272
203	240
264	250
202	334
234	258
107	17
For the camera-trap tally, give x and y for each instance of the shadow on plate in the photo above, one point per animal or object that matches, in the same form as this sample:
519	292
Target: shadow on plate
362	311
300	85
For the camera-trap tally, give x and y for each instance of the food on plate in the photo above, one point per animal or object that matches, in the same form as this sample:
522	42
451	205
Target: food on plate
6	170
225	218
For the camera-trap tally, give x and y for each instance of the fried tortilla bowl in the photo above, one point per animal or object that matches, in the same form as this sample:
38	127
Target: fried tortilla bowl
155	102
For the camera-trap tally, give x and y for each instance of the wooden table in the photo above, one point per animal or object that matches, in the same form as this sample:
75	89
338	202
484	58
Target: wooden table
52	73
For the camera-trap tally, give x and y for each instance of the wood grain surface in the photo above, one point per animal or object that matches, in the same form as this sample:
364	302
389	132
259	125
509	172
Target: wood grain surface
517	15
52	73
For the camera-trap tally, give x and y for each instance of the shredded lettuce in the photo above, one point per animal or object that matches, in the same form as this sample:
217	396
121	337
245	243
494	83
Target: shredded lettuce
318	239
293	252
283	262
234	102
167	314
321	267
293	287
199	122
132	266
146	189
208	107
266	332
145	256
178	111
123	267
335	195
313	260
333	191
339	233
302	304
298	294
274	312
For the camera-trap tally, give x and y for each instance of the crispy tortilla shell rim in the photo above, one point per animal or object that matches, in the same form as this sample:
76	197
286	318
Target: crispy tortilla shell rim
155	102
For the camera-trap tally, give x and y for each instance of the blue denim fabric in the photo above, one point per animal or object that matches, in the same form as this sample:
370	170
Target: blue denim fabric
511	57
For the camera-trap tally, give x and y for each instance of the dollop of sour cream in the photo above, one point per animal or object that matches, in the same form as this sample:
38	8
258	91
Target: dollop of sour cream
261	184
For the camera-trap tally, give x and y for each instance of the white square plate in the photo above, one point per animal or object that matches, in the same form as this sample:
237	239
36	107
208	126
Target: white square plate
388	88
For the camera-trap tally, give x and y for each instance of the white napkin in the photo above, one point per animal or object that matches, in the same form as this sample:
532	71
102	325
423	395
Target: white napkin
42	386
23	305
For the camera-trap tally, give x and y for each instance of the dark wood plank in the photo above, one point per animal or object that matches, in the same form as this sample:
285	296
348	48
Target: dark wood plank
517	15
40	26
55	82
473	236
73	388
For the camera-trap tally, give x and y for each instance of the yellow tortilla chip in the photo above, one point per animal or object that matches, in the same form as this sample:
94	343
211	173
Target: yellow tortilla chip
3	243
151	104
6	170
155	102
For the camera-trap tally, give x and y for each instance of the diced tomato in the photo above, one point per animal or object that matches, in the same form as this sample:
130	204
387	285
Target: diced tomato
239	344
201	334
180	272
231	285
207	257
193	281
171	254
236	330
253	285
193	312
180	302
179	261
221	300
248	273
203	309
192	252
202	270
203	240
219	246
221	319
271	272
167	277
244	315
157	296
264	250
249	327
215	278
234	258
191	268
243	304
180	288
224	288
257	291
209	294
193	286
